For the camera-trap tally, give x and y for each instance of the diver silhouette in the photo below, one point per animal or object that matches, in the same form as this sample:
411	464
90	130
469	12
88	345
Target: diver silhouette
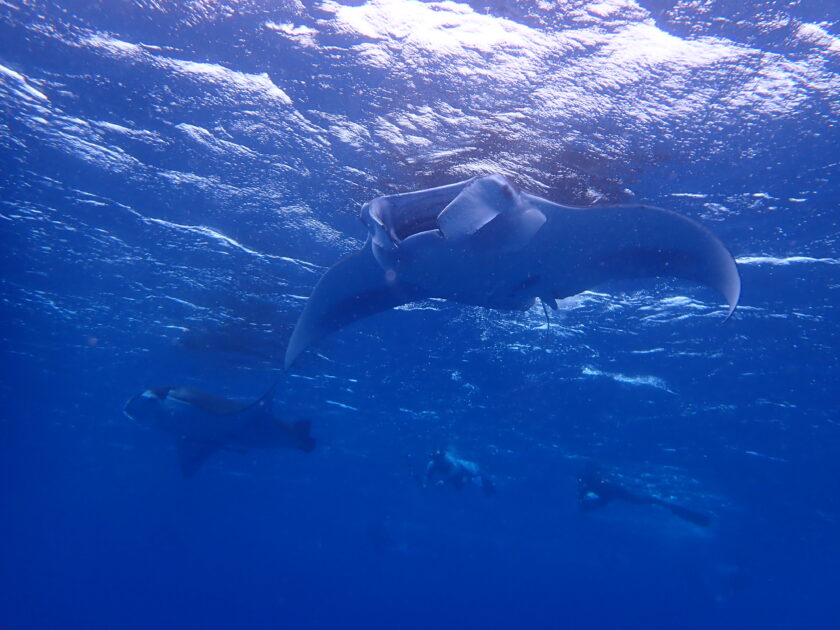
595	491
444	467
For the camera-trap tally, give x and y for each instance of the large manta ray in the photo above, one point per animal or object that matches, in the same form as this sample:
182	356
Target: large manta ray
483	242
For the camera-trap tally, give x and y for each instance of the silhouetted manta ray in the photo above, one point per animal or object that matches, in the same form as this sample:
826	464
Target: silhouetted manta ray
204	423
483	242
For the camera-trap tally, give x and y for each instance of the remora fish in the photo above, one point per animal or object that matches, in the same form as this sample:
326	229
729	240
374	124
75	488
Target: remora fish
204	423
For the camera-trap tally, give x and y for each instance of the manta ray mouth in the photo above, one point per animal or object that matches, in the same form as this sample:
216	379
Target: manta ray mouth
409	225
394	218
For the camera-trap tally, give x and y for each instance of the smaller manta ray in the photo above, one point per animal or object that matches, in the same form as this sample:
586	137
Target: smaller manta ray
203	423
485	243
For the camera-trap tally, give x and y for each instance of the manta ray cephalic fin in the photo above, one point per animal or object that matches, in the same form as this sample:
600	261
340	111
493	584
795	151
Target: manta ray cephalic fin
497	215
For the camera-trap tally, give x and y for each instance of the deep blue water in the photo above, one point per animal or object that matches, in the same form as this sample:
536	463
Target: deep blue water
177	176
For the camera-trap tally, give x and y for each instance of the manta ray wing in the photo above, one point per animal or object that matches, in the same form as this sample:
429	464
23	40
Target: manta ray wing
632	241
354	288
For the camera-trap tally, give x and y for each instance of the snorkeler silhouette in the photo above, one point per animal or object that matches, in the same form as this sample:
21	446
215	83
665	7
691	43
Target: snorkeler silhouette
444	467
595	491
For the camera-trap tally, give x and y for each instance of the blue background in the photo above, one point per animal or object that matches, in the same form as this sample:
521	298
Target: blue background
175	178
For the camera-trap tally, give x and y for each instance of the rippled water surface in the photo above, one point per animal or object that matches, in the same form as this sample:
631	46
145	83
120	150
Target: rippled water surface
176	176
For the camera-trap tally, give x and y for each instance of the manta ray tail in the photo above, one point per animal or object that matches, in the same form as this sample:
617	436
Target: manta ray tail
696	518
300	431
352	289
488	486
692	516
